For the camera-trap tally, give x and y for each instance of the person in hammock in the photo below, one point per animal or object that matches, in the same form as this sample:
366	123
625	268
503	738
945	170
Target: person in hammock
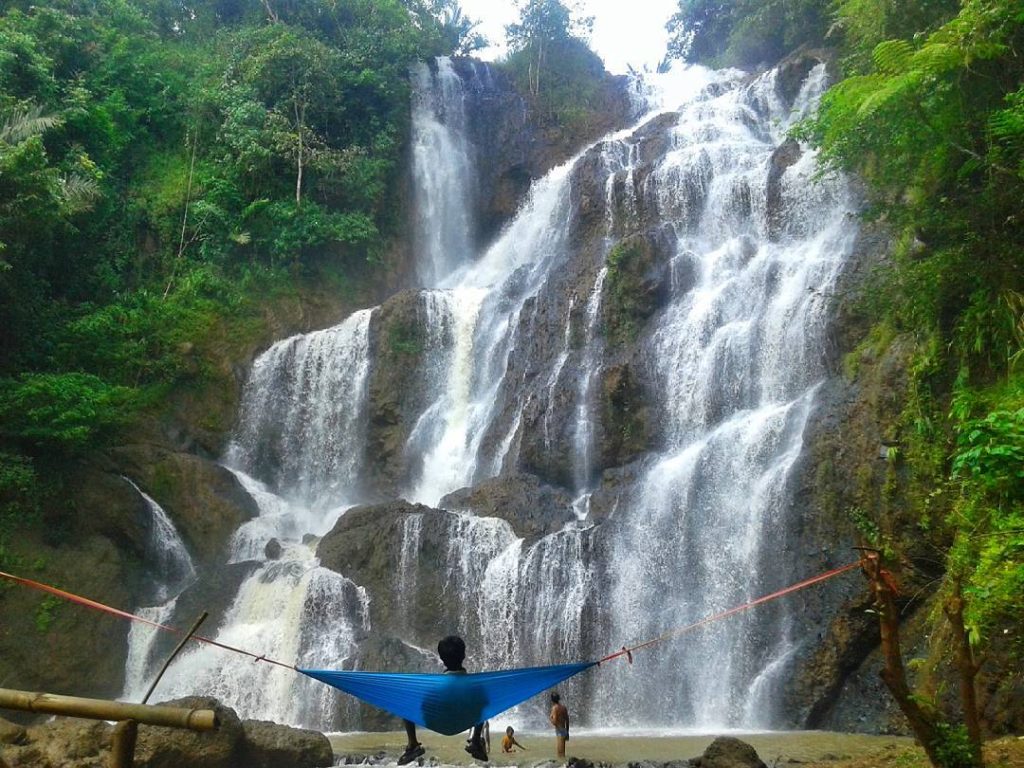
452	650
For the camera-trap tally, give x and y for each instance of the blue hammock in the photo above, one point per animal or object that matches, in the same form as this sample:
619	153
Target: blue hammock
448	704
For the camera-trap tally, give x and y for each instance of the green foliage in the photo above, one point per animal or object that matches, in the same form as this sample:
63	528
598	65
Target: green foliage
744	32
46	613
990	451
404	339
66	412
19	501
623	309
954	747
550	60
161	164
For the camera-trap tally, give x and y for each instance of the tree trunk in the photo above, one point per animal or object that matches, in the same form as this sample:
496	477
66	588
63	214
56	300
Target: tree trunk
968	668
924	721
299	120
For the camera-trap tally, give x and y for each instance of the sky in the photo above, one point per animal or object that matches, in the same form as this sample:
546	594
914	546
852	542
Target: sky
626	32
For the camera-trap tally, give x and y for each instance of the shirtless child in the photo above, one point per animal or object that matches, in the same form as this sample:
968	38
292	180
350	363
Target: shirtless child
559	718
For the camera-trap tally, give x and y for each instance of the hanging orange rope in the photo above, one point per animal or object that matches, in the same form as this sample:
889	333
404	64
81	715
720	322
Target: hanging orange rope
71	597
626	651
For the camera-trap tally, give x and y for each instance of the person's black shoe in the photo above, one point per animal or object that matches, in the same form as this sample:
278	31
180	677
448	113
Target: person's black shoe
476	749
410	754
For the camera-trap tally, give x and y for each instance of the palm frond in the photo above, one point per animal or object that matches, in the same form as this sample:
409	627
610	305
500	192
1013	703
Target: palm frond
25	122
79	192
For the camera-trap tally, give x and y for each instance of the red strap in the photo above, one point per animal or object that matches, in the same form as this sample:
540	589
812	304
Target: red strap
628	652
71	597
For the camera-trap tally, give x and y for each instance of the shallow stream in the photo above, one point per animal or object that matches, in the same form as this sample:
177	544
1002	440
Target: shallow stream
608	746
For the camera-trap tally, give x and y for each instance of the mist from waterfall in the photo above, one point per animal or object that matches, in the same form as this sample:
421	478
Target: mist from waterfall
514	351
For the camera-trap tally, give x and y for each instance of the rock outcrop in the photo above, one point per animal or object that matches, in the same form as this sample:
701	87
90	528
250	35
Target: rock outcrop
205	500
728	752
68	743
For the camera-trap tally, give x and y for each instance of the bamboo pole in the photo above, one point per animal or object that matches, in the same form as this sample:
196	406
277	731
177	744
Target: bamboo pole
101	709
174	654
122	744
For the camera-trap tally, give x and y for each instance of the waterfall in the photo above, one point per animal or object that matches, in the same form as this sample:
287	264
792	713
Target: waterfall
510	378
303	418
169	558
739	351
442	172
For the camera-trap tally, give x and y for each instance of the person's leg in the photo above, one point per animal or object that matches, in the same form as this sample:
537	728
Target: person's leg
413	748
560	746
410	733
476	743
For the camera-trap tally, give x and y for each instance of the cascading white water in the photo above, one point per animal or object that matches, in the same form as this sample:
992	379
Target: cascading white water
167	554
303	420
732	357
739	353
442	172
309	393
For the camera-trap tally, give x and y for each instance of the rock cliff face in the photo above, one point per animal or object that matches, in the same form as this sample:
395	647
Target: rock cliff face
597	419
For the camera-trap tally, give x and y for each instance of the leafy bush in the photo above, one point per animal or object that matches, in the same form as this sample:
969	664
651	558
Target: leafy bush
66	412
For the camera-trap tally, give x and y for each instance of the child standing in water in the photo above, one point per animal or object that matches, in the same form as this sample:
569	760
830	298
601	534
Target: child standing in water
559	718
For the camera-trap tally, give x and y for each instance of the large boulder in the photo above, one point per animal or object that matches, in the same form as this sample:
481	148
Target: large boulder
72	743
533	508
270	745
366	545
175	747
729	752
11	733
62	743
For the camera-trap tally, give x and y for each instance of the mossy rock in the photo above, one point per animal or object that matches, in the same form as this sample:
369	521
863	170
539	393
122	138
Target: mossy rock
634	288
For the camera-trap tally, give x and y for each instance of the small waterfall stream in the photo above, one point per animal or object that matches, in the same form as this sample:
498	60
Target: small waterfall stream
173	567
514	353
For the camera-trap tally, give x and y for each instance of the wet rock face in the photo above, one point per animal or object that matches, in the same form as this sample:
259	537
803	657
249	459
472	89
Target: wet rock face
533	508
401	349
96	545
514	146
365	545
205	501
785	155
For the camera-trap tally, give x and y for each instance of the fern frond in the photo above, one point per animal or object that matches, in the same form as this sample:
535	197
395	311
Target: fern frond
893	88
892	57
937	59
1007	127
25	122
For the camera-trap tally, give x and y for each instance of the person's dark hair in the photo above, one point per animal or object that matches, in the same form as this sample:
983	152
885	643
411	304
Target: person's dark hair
555	697
452	650
510	730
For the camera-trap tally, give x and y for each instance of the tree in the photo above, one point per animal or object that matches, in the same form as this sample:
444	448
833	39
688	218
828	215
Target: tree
542	24
456	33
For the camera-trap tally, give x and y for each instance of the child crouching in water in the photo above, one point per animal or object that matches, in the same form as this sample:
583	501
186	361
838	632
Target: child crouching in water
509	740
